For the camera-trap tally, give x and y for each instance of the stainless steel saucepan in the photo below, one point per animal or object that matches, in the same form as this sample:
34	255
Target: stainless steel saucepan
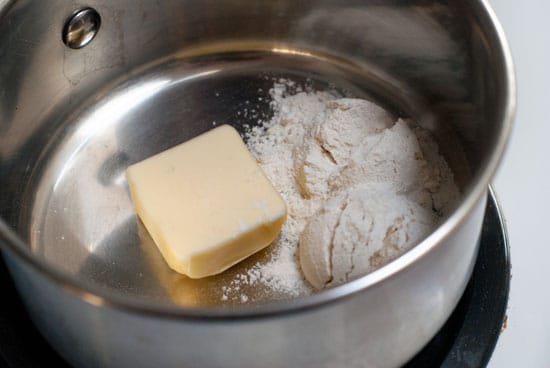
90	87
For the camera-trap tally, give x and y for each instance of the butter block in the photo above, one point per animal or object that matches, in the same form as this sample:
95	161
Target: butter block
206	203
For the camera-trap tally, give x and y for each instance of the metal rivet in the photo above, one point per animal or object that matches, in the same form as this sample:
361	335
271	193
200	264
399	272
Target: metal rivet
81	28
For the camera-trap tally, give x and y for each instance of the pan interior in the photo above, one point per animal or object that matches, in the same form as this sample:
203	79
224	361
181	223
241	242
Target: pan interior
81	217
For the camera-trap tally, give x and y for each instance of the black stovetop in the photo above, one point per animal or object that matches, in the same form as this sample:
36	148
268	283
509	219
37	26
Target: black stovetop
466	340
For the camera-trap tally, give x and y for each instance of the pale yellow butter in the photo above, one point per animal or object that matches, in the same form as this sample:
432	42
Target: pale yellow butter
206	203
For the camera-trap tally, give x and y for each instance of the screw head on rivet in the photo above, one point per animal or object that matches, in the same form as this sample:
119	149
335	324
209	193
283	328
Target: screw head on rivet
81	28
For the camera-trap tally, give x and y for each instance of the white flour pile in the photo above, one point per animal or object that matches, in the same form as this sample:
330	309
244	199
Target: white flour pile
361	188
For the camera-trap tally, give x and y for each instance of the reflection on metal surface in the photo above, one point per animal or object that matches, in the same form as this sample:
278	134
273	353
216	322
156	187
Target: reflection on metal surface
101	119
280	50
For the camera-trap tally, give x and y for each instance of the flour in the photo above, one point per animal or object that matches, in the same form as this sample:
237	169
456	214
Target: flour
361	188
274	144
360	230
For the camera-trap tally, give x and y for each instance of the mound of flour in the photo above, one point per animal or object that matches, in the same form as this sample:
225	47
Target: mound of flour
361	188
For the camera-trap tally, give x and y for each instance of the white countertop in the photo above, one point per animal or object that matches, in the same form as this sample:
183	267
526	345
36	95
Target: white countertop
523	188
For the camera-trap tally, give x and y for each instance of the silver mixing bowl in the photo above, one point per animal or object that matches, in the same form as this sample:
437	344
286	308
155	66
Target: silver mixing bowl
85	94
